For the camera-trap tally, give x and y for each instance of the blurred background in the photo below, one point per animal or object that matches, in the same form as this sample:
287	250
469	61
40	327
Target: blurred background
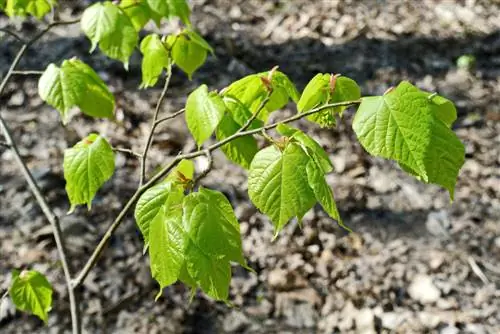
416	262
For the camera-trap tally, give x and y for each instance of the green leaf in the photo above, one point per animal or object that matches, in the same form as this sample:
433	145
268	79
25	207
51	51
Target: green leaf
31	292
188	55
241	150
87	166
324	89
166	236
443	108
204	111
196	38
106	24
240	112
138	12
251	92
323	193
170	8
37	8
309	145
278	184
407	126
75	84
315	94
213	240
151	203
182	172
2	4
156	58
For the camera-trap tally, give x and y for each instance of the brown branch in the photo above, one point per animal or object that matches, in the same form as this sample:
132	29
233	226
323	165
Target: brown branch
46	209
165	170
28	72
207	170
127	151
13	34
169	117
152	129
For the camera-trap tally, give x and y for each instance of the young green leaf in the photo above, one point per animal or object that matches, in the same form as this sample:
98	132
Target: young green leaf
150	205
309	145
315	93
184	171
278	184
166	237
138	12
31	292
407	126
241	150
323	193
170	8
87	166
240	112
75	84
108	25
251	92
188	55
326	88
204	111
156	58
37	8
213	240
210	222
196	38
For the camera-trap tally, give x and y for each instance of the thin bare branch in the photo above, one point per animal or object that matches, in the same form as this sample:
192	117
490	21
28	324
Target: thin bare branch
169	117
207	170
149	138
13	34
127	151
256	113
28	72
46	209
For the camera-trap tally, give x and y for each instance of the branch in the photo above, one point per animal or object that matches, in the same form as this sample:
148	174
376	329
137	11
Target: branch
149	139
49	214
4	144
169	117
256	114
165	170
127	151
13	34
27	72
207	170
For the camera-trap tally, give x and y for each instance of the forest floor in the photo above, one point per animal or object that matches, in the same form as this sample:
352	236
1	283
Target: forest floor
416	262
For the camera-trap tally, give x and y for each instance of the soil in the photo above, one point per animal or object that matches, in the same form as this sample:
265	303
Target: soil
416	263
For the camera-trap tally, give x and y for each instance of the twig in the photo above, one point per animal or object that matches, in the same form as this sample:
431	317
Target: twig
169	117
127	151
149	139
165	170
4	144
13	34
207	170
49	214
27	72
475	268
256	114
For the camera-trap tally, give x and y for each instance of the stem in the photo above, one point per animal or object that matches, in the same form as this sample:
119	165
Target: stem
47	211
256	114
169	117
127	151
207	170
27	72
154	124
165	170
13	34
